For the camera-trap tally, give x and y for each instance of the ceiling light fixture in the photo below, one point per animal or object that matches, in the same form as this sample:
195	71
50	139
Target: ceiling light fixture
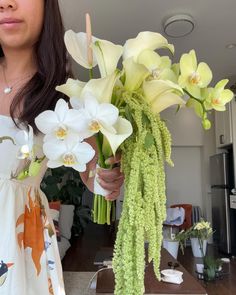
179	25
230	46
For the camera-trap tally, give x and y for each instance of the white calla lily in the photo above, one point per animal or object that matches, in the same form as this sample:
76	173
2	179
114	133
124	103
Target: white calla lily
107	55
76	45
145	40
123	130
59	123
71	88
101	88
135	74
162	94
70	153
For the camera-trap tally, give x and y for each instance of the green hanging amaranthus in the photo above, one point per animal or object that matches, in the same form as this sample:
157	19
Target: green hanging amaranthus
144	207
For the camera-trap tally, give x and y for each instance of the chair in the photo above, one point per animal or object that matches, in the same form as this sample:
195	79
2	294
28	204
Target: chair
188	215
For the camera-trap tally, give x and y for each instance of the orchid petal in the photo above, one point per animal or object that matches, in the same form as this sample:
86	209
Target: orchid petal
145	40
76	44
47	121
107	55
61	109
124	130
205	73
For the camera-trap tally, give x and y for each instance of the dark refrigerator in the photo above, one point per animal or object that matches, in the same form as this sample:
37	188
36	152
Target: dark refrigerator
222	181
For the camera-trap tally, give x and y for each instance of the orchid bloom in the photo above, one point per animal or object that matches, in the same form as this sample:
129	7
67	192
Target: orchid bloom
162	94
193	76
105	54
217	97
105	118
70	153
59	123
143	41
25	139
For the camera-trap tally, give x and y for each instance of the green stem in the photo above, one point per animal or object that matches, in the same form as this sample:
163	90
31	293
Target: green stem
197	99
91	73
101	160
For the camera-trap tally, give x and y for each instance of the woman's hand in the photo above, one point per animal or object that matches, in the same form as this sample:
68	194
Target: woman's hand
112	179
109	179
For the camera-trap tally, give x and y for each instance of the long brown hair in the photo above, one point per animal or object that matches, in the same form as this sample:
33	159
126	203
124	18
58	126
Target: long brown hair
39	93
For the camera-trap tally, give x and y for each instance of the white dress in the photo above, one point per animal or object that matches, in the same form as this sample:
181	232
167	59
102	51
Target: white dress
29	258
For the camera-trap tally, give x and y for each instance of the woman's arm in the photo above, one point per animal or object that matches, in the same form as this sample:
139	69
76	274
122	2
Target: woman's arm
111	180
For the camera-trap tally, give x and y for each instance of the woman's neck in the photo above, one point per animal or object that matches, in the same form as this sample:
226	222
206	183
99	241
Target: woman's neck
18	62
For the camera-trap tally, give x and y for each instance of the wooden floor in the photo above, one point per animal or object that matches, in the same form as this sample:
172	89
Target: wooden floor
80	257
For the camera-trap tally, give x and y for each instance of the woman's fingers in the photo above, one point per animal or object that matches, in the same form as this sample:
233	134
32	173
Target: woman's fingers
110	174
113	196
111	186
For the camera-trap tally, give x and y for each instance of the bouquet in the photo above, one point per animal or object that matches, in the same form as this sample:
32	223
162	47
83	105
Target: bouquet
122	109
201	230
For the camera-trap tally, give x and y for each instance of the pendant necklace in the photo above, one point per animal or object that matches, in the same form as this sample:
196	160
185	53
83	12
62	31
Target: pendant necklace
8	89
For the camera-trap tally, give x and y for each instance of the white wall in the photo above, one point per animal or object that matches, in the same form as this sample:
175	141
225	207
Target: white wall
188	181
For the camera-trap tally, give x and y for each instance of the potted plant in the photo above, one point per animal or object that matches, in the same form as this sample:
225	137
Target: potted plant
199	233
175	240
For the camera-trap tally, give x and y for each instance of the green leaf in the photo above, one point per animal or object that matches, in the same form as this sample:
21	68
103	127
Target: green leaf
149	140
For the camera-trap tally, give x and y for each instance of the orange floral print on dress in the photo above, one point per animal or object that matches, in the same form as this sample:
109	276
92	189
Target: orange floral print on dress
32	236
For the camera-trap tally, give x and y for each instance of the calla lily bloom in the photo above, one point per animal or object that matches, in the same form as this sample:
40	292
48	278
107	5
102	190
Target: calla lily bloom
101	88
145	40
135	74
59	123
123	130
70	153
71	88
162	94
107	55
76	45
25	139
193	76
217	97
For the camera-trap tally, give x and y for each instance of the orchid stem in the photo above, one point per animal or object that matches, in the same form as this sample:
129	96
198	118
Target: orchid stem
197	99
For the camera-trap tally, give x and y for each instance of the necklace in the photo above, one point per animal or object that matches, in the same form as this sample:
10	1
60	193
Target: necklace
8	89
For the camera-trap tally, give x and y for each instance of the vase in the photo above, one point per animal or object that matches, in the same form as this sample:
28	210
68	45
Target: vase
196	247
172	247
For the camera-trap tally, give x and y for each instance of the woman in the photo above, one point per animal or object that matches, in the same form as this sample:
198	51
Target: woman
33	63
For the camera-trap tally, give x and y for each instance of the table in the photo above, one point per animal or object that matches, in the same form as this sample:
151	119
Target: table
105	281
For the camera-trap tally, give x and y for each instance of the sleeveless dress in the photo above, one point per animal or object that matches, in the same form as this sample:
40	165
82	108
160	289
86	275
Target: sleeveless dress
29	257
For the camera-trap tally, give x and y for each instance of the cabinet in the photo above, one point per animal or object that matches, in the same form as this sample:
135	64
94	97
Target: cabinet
223	127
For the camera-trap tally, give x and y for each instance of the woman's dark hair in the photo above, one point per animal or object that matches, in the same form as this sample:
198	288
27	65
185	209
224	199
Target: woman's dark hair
39	93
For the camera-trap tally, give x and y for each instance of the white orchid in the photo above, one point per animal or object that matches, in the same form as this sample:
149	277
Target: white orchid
25	140
105	53
105	118
143	41
59	123
70	153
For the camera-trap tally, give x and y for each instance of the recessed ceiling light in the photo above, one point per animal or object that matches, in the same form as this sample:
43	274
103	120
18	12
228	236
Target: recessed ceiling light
179	25
230	46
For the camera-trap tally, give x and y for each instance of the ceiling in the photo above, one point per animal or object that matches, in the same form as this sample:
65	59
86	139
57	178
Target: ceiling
119	20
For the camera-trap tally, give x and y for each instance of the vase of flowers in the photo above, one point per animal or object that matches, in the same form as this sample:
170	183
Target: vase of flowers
174	241
199	233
